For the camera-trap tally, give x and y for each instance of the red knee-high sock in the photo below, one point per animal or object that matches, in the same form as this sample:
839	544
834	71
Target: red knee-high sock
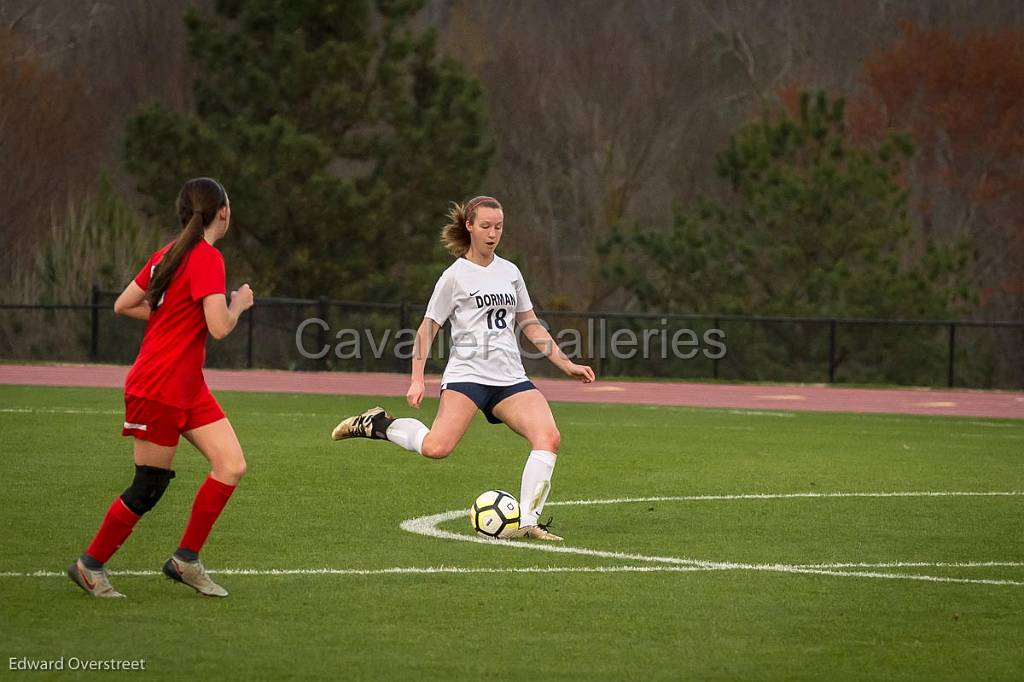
210	501
117	526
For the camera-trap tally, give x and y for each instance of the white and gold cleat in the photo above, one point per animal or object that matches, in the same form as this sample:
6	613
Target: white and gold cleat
537	532
359	426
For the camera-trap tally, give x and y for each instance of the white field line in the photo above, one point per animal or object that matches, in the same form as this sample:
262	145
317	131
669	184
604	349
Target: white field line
789	496
875	416
890	435
56	410
427	525
894	576
1010	436
716	427
920	564
75	410
752	412
746	413
994	425
719	427
821	569
397	570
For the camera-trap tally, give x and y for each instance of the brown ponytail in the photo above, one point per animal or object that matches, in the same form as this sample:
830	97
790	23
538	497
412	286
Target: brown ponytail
455	235
198	203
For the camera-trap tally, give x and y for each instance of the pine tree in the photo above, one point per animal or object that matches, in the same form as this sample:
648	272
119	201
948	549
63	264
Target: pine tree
339	133
810	225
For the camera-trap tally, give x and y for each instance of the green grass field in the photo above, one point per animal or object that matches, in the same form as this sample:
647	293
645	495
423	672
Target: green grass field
308	503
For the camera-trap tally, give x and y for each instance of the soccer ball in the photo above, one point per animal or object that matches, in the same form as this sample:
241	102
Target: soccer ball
495	514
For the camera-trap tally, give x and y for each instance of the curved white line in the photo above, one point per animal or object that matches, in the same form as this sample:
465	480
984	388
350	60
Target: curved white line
427	526
921	564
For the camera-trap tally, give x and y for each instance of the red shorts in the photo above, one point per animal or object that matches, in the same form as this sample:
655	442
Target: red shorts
161	423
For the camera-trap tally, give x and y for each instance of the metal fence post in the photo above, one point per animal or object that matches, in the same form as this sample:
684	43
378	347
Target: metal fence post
249	334
94	336
952	352
714	360
832	351
322	312
403	364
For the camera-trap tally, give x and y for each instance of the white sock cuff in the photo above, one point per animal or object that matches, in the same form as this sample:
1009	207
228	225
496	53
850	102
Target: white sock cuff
545	456
408	433
418	437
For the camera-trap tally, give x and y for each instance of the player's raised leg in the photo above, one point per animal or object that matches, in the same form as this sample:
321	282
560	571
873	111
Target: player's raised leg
219	444
454	415
528	414
152	476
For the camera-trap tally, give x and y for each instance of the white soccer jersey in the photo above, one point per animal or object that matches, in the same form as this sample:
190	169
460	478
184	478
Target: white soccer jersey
481	303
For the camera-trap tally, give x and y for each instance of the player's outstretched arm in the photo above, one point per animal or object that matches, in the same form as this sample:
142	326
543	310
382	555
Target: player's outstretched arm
421	349
539	337
132	302
221	318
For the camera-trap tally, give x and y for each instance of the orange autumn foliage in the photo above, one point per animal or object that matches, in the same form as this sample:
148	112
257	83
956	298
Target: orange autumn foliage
962	100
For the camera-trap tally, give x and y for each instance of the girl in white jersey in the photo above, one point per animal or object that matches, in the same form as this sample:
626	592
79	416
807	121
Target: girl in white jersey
484	296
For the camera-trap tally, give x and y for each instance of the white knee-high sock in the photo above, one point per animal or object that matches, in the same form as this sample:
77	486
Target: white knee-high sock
408	433
536	485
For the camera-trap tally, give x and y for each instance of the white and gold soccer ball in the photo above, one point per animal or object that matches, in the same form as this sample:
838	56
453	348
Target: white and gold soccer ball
495	514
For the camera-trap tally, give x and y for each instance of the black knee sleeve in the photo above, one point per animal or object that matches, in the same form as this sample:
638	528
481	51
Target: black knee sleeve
147	488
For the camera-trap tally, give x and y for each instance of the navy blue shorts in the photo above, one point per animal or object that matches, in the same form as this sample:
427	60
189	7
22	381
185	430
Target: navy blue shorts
487	397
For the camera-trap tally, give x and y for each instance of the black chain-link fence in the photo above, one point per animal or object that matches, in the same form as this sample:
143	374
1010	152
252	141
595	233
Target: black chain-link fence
325	334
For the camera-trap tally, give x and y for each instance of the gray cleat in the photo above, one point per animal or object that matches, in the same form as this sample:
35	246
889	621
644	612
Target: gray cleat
193	574
95	582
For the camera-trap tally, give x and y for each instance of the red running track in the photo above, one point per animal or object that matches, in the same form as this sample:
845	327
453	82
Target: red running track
802	398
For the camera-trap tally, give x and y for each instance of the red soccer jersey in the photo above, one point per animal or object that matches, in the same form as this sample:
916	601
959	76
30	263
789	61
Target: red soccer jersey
169	368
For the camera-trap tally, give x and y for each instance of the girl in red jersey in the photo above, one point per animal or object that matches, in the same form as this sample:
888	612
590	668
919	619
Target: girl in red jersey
180	293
